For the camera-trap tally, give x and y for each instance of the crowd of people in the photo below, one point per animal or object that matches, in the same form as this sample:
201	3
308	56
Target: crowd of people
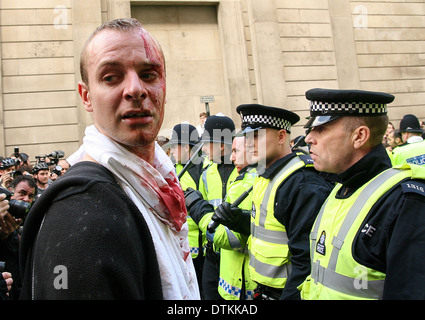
217	212
21	183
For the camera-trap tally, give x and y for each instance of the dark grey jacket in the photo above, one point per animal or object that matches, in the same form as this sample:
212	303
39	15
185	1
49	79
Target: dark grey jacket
85	239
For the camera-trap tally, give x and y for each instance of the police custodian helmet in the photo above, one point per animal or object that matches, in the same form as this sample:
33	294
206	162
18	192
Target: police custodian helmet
218	128
329	104
184	133
257	116
410	123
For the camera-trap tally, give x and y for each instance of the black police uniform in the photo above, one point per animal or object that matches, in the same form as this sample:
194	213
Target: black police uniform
391	238
297	201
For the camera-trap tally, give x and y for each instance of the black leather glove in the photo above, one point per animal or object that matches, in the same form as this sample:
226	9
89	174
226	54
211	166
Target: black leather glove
234	218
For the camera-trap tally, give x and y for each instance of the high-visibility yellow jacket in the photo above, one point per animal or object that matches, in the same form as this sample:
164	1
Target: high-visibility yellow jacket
211	188
268	247
412	153
234	258
335	275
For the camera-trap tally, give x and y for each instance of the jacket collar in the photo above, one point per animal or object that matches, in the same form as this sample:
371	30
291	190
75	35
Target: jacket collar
375	162
276	166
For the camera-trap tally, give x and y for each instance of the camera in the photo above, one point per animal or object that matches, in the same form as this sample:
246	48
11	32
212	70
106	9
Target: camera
57	170
17	156
17	208
53	157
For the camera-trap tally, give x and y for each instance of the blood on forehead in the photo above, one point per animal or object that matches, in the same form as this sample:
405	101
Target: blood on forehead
152	48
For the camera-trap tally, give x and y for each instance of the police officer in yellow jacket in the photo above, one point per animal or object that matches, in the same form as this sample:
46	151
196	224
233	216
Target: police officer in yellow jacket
183	143
214	184
287	196
368	239
235	282
413	149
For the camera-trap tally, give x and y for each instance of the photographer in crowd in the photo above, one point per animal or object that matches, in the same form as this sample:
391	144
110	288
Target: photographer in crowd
7	169
13	210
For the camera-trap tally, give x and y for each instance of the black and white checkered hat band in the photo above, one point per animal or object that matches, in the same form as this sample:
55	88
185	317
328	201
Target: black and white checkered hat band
320	108
266	121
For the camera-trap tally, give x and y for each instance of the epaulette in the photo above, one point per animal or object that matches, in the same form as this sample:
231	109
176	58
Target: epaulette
414	186
308	161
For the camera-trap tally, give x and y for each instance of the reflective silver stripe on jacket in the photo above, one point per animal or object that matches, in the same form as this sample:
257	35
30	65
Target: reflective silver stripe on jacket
270	236
268	270
327	276
214	202
344	284
234	242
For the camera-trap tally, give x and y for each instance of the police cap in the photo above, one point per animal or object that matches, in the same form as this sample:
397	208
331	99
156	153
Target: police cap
329	104
257	116
218	128
184	133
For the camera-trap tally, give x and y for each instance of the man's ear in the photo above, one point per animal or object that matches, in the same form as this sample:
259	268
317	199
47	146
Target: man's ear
360	137
83	90
282	135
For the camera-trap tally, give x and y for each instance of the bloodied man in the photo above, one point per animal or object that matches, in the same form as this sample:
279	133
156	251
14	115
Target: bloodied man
116	222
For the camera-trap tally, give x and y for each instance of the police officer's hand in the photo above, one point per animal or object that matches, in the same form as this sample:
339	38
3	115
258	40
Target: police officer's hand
225	214
234	218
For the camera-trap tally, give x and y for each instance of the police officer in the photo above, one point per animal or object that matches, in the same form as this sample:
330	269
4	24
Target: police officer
287	196
368	239
213	186
235	282
413	150
184	142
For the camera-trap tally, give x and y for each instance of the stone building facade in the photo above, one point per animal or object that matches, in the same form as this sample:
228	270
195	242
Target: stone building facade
234	51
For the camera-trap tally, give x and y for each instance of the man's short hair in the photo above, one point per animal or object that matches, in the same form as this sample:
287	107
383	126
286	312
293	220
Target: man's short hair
123	24
24	177
377	126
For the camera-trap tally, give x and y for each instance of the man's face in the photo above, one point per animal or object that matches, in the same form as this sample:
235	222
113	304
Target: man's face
23	192
262	146
330	146
180	153
8	170
126	87
238	156
214	151
42	176
65	166
391	141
